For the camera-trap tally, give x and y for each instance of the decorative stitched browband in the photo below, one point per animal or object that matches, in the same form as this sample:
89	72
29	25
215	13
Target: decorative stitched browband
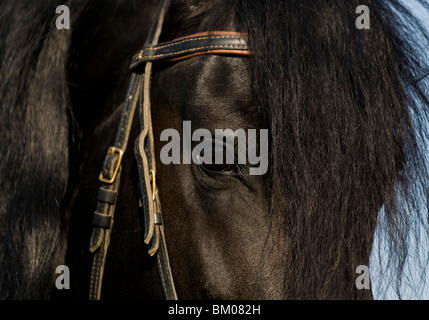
210	42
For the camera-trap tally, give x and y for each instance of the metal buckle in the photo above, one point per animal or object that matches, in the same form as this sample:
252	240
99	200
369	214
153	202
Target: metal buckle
112	151
152	175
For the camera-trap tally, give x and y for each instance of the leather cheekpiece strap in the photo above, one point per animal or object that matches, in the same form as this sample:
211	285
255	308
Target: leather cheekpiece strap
103	217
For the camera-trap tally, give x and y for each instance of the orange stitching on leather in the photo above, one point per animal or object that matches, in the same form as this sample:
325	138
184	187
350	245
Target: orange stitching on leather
216	51
211	34
197	48
185	39
192	49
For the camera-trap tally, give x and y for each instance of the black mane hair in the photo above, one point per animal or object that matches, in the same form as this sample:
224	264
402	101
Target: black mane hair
37	132
347	111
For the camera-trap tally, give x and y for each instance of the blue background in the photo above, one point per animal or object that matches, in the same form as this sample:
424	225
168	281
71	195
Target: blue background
415	283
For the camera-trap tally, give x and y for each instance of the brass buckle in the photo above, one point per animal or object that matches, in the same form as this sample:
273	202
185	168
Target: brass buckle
152	175
112	151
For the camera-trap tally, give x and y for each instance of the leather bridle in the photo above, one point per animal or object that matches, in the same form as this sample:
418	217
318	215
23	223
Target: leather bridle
138	95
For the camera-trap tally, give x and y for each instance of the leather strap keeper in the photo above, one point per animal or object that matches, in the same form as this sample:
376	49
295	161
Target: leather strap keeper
107	196
101	220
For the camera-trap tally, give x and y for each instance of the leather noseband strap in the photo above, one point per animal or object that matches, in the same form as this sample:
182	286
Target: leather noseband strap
138	95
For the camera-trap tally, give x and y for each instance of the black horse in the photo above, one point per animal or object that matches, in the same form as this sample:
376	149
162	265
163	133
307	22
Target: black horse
346	110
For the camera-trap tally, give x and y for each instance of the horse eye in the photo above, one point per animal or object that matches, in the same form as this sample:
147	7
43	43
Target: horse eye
217	152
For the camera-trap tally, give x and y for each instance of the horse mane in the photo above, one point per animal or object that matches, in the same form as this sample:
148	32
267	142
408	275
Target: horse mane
35	150
347	111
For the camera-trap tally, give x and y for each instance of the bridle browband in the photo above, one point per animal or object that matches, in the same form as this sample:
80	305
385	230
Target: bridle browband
212	42
138	95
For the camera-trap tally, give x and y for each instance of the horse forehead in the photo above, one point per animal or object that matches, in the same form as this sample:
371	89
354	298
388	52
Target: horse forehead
219	92
192	16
